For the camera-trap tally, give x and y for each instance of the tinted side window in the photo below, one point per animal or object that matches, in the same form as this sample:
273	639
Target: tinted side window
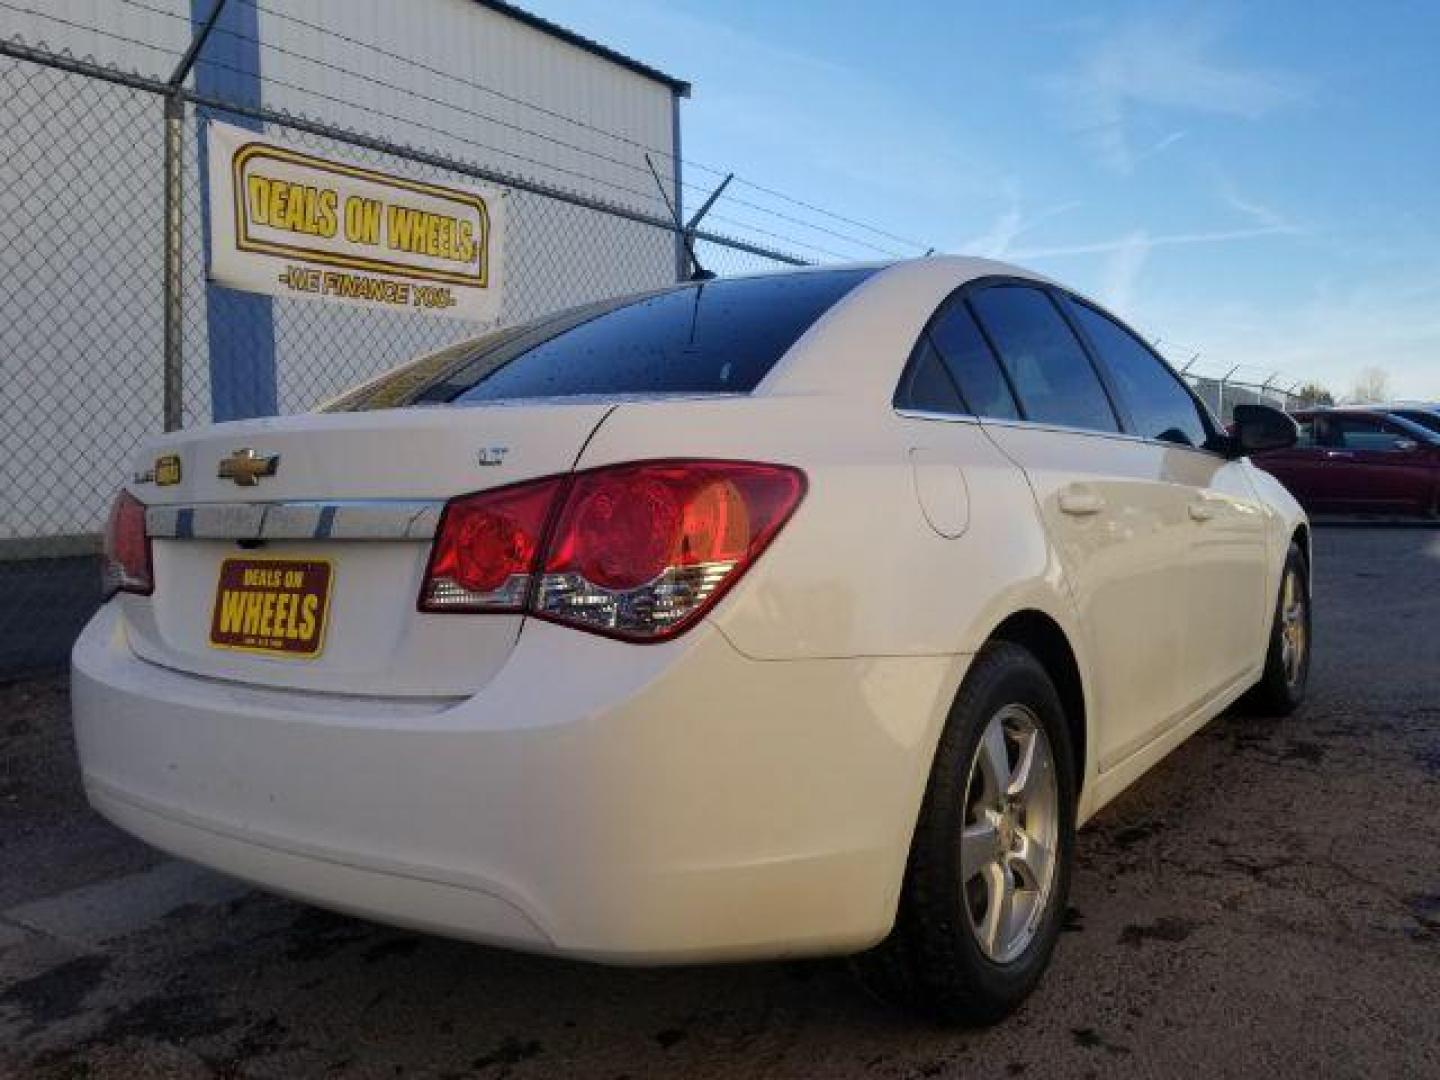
972	363
1363	433
1159	406
926	385
1049	369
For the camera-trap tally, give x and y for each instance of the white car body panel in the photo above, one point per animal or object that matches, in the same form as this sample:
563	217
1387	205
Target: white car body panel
747	789
648	805
375	643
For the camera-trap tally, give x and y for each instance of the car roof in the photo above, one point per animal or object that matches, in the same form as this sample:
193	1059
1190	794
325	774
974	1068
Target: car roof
838	353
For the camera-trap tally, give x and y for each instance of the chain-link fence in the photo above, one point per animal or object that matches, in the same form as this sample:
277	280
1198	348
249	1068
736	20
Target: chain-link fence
1222	394
82	231
83	313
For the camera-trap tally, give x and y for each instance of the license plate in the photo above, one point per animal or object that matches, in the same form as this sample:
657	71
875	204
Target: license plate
272	606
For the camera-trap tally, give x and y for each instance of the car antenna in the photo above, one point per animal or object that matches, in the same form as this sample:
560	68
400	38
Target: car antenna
686	232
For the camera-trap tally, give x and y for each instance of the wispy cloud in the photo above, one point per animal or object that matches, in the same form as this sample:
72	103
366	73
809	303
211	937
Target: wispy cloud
1154	64
1011	223
1126	256
1119	243
1120	278
1159	146
1262	215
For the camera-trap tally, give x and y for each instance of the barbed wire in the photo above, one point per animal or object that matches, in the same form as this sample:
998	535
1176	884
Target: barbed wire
65	60
650	197
88	28
430	69
532	133
566	118
282	50
830	213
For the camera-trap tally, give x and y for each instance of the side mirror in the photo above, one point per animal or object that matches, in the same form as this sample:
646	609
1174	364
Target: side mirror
1406	445
1262	427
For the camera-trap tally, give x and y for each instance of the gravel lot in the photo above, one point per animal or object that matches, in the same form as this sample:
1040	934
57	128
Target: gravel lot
1266	903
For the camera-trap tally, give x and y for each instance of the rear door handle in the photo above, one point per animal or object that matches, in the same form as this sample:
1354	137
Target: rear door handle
1080	502
1339	454
1201	511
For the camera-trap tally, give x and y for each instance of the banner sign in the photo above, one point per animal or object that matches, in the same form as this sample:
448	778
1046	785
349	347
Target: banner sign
292	224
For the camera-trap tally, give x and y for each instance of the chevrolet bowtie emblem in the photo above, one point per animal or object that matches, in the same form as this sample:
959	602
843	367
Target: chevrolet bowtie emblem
246	467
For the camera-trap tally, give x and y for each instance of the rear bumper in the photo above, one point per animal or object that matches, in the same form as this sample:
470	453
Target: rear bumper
632	804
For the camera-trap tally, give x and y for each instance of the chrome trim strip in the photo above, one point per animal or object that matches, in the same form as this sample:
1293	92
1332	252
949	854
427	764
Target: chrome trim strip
1036	425
350	519
931	414
1123	436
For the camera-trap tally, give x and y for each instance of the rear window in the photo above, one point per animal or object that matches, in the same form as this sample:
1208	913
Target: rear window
710	337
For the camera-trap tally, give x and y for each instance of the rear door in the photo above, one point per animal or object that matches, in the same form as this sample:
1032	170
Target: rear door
1226	596
1118	520
1378	466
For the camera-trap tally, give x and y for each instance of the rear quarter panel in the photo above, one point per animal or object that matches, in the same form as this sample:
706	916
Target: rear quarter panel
858	570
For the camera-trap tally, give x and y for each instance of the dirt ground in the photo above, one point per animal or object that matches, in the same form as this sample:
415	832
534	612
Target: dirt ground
1265	903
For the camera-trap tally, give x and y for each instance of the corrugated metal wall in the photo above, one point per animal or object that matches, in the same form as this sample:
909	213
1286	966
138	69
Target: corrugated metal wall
477	46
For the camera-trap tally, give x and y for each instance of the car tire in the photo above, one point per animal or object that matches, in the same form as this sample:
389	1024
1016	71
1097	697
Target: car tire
1287	657
947	958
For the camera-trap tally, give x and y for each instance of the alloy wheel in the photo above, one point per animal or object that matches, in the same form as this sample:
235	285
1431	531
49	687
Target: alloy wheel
1294	628
1009	841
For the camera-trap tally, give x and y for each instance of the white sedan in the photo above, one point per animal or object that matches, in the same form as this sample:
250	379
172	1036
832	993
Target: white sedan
795	614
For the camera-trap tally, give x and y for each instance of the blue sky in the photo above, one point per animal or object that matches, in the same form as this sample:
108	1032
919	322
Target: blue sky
1255	183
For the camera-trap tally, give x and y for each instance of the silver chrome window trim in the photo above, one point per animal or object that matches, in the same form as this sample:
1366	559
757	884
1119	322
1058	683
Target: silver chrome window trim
931	414
1038	425
346	519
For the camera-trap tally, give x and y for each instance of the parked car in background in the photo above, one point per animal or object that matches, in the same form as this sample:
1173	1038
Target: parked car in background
1354	460
796	614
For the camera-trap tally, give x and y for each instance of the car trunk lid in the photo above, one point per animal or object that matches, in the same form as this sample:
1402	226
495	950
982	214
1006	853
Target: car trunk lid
331	516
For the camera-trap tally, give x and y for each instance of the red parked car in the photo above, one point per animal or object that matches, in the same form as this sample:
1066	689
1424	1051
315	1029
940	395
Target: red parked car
1360	460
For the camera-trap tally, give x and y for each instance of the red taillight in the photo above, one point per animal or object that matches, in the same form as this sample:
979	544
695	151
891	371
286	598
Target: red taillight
127	549
486	549
634	551
640	551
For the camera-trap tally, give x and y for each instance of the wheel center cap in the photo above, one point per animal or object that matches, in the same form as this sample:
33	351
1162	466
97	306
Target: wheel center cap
1004	832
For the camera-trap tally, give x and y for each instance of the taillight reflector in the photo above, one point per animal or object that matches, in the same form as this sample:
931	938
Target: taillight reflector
637	551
